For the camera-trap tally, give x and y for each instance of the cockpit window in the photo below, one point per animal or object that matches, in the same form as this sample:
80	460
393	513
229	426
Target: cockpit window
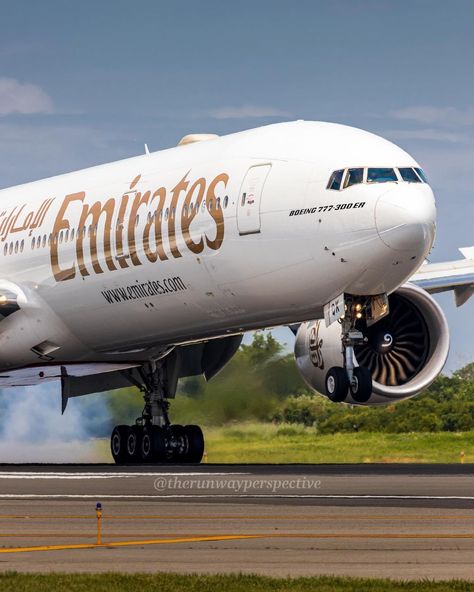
353	177
381	175
422	175
408	174
335	180
344	178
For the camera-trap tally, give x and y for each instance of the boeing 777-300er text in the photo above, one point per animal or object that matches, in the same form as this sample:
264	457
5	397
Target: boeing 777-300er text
150	269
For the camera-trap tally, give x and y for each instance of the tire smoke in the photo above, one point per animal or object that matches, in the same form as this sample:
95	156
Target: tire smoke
32	429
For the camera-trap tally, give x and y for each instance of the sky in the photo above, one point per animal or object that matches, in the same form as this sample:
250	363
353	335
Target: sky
87	82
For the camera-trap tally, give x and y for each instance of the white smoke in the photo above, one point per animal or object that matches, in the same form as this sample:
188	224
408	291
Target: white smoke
32	429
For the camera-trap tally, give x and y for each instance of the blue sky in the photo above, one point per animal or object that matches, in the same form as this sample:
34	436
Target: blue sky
89	82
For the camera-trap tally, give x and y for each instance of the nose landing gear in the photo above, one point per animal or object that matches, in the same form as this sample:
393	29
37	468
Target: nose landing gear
356	380
153	439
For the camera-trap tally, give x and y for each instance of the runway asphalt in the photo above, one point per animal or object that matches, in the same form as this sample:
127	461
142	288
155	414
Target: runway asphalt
399	521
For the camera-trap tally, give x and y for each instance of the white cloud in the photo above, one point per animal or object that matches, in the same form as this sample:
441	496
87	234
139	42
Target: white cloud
429	114
18	98
247	111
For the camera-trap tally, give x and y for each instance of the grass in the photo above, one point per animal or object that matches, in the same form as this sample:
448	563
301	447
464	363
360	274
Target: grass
209	583
255	442
268	443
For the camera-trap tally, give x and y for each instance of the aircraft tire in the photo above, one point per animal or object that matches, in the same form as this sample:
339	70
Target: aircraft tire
153	447
118	444
337	384
133	444
195	441
181	443
361	386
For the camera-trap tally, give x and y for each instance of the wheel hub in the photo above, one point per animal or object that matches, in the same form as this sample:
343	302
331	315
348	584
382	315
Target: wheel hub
131	444
331	384
116	444
146	444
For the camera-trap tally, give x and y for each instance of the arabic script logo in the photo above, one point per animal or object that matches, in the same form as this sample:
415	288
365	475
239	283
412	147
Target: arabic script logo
315	346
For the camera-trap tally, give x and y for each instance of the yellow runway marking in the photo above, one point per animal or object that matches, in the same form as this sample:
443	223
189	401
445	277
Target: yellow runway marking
236	537
130	543
72	535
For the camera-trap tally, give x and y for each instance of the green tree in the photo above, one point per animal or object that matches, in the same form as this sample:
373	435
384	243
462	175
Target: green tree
262	383
466	373
262	349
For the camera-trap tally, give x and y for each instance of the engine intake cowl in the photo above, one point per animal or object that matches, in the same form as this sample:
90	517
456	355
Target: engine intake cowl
405	351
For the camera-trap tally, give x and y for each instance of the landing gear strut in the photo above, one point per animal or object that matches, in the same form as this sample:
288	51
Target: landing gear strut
356	380
153	439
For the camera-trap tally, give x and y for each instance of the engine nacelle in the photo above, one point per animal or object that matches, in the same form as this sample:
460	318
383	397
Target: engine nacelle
405	350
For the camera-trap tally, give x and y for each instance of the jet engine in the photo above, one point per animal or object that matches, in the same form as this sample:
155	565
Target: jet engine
404	351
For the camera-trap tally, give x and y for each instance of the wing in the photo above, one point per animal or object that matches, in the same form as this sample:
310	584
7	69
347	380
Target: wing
451	275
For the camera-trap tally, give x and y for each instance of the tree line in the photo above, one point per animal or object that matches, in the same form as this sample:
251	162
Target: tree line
262	383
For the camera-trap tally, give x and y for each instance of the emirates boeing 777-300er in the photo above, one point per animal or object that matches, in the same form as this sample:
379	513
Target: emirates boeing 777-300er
146	270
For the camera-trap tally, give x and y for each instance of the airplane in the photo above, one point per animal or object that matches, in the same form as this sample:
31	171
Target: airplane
150	269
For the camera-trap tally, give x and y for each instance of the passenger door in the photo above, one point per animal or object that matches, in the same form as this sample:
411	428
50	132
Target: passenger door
248	206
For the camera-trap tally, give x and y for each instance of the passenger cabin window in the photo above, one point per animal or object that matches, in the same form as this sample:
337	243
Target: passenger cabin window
381	175
408	174
353	177
335	180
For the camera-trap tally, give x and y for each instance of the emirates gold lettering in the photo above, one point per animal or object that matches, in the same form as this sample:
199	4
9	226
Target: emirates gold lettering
181	186
133	223
61	223
121	256
130	230
195	196
155	223
90	220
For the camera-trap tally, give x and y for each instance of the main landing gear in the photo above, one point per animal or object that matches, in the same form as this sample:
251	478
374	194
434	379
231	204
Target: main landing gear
356	380
153	439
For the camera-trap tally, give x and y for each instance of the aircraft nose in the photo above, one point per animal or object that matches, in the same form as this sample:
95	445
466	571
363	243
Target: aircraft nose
405	218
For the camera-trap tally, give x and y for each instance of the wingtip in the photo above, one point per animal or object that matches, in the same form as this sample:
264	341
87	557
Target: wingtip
468	252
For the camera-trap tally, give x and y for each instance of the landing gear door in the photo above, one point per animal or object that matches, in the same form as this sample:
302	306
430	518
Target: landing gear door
248	206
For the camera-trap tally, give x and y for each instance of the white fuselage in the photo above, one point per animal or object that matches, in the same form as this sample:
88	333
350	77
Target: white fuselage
165	248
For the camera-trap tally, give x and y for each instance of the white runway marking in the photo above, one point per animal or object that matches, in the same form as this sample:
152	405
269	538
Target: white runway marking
107	475
237	495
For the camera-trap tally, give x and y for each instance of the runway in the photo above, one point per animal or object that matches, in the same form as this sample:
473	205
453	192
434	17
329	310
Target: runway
399	521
